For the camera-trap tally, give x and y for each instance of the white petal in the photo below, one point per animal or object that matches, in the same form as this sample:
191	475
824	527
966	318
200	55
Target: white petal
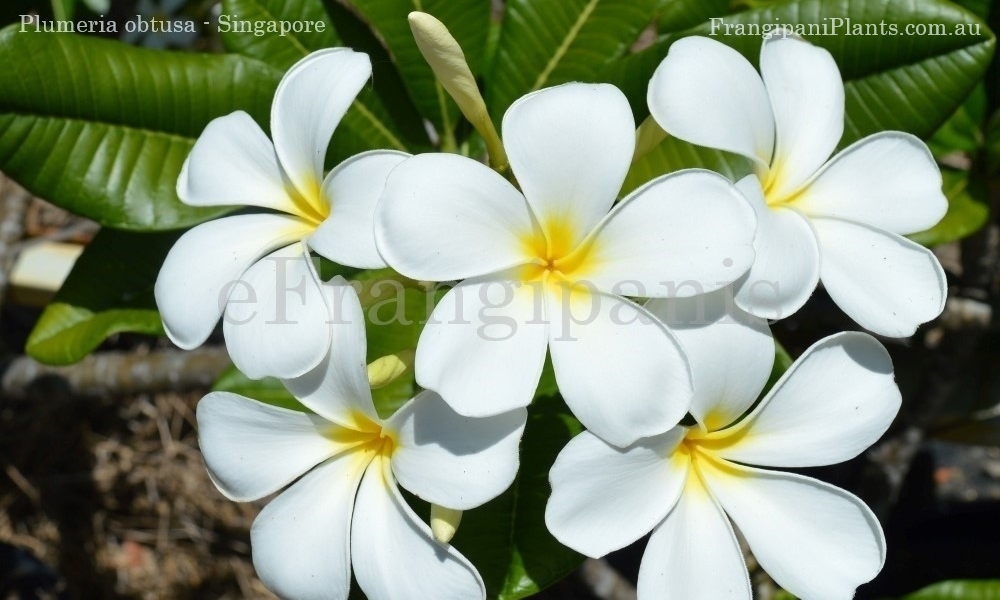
484	347
619	369
807	96
694	554
338	387
786	269
353	189
730	352
395	554
283	327
570	147
817	541
706	93
604	498
888	180
311	99
835	401
451	460
301	540
200	271
687	233
233	162
254	449
444	217
886	283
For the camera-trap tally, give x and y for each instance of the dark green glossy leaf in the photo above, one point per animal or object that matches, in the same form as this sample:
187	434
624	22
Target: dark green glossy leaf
102	129
963	131
548	43
506	538
967	211
268	390
279	51
673	154
910	82
467	20
109	290
367	125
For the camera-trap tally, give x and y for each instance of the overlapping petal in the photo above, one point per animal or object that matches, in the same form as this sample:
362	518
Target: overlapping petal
395	554
619	369
807	97
310	101
817	541
787	264
708	94
888	180
604	498
200	270
483	347
281	328
451	460
254	449
301	539
730	352
694	554
233	162
353	190
885	282
445	217
570	147
687	233
337	388
835	401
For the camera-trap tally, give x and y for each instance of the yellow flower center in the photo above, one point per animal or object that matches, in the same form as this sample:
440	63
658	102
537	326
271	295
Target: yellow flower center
310	204
556	255
364	436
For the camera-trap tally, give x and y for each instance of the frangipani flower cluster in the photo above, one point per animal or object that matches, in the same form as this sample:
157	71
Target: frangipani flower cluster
546	261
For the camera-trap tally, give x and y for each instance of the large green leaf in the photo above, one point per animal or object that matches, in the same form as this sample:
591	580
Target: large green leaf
367	125
506	538
967	211
280	51
109	290
547	43
988	589
905	82
673	154
467	20
102	129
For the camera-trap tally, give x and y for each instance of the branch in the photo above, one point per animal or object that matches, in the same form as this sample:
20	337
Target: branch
114	374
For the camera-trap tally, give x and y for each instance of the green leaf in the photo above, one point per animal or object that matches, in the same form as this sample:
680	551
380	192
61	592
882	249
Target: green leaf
109	290
240	17
506	538
906	82
963	131
673	154
678	15
102	129
987	589
547	43
467	20
966	211
367	124
268	390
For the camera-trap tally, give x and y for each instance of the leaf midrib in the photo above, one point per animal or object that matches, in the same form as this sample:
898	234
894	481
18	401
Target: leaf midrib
560	52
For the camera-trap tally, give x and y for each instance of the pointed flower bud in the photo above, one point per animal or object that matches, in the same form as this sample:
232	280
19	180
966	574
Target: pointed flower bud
444	522
445	56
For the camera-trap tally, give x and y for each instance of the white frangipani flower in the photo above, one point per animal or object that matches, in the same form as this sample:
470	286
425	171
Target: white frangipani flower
547	266
275	319
839	220
817	541
344	506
